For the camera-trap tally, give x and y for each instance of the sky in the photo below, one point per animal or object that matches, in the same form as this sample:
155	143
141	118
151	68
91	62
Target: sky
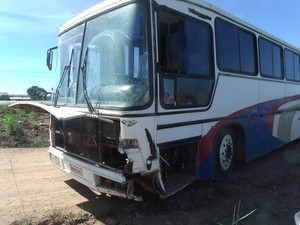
29	28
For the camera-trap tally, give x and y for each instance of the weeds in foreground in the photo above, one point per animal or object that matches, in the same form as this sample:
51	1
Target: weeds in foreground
21	129
12	118
23	221
56	217
59	217
236	217
11	125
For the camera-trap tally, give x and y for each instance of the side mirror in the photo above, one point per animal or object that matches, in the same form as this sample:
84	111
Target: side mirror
50	57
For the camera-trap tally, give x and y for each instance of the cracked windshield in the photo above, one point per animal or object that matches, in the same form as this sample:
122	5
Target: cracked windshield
113	59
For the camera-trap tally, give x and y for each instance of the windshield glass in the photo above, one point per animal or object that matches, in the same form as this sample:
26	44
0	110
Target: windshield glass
115	60
69	48
104	62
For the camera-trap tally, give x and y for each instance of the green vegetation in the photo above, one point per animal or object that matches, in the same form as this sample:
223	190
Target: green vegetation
21	129
4	96
38	93
11	125
9	120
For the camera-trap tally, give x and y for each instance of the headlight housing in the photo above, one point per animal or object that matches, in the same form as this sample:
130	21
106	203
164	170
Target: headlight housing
128	143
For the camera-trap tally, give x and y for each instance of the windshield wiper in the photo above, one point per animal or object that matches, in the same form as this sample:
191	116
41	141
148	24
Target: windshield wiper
62	78
83	69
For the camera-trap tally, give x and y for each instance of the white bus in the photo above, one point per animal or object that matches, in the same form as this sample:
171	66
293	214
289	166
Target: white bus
155	94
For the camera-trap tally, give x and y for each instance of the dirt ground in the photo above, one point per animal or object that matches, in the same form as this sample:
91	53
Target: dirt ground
30	186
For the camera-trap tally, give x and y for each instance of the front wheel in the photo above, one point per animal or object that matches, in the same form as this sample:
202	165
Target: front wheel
224	151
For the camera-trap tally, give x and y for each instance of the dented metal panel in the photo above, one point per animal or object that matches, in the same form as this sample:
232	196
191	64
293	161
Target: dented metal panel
61	113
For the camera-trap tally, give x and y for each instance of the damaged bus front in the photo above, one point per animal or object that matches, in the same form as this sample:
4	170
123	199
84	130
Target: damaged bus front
110	154
106	154
105	110
106	77
102	120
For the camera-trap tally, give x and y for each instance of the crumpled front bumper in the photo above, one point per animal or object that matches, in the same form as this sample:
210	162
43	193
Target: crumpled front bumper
104	180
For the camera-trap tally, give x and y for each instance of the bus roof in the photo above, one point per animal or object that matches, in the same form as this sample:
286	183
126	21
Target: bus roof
104	5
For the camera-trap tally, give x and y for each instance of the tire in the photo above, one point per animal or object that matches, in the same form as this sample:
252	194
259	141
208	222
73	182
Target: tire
224	153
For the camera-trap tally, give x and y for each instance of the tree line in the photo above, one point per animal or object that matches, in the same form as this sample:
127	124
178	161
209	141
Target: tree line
34	93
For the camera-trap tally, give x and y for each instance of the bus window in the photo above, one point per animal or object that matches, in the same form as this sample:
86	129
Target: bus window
197	50
193	91
69	49
289	65
296	67
247	52
270	59
236	48
292	69
186	60
168	94
277	61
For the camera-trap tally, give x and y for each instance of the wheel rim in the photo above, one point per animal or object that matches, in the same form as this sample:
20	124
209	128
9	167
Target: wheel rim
226	152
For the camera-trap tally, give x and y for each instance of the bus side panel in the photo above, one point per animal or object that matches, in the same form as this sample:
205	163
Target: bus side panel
259	132
259	136
177	132
234	94
234	101
241	117
205	161
293	104
270	90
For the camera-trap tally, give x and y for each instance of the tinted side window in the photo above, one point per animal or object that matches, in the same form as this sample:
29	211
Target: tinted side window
265	53
292	65
227	46
236	48
247	52
186	61
297	67
197	54
270	59
185	45
289	65
277	61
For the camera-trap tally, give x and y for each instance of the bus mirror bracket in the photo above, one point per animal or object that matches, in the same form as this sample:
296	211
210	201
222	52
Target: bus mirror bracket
50	57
